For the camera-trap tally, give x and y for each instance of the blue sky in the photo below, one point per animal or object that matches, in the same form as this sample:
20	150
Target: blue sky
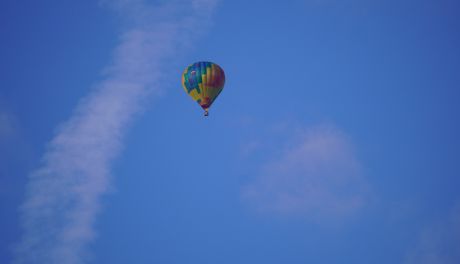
335	139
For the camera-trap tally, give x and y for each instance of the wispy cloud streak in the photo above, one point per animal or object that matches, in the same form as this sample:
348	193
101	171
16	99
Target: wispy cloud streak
63	195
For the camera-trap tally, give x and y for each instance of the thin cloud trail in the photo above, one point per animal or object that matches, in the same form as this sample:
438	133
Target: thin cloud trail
63	195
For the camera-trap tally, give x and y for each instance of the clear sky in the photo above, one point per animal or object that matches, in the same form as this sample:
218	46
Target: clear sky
335	139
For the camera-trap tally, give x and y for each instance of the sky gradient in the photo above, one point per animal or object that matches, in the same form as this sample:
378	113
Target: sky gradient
335	139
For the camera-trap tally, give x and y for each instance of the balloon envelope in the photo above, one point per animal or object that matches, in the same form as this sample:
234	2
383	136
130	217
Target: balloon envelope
203	81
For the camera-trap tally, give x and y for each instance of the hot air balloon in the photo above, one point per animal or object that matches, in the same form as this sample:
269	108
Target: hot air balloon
203	81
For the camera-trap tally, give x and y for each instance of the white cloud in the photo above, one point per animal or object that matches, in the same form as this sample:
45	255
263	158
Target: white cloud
438	243
317	177
63	195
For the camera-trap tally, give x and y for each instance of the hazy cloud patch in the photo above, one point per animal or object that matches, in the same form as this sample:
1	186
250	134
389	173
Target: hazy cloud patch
438	243
317	175
6	125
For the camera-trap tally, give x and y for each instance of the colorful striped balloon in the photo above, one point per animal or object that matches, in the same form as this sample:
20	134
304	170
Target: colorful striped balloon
203	81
